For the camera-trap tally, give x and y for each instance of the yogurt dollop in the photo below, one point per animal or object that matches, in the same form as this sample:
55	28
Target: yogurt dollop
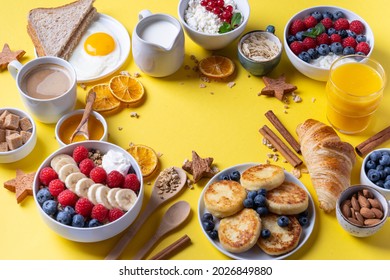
113	160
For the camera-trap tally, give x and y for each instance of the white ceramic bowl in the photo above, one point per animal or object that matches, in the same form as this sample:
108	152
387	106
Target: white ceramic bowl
363	174
98	116
214	41
105	231
309	70
23	151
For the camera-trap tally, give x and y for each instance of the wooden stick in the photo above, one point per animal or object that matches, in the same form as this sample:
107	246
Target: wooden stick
289	155
372	142
178	244
283	131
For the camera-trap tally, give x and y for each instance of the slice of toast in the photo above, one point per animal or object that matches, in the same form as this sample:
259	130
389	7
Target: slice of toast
282	239
287	199
239	233
263	176
52	29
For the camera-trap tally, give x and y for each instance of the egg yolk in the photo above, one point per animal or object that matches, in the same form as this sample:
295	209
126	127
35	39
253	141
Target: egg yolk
99	44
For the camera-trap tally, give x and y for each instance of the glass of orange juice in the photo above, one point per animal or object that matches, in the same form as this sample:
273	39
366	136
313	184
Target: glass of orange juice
354	91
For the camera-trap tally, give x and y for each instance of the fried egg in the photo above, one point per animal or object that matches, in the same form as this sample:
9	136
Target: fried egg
97	50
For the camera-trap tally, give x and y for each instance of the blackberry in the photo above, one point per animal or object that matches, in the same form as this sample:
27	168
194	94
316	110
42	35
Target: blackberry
305	57
336	48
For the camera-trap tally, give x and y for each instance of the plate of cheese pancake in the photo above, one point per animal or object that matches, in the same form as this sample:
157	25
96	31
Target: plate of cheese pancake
219	189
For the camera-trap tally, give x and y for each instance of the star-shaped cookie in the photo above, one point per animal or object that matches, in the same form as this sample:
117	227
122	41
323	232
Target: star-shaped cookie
199	167
277	87
6	56
21	185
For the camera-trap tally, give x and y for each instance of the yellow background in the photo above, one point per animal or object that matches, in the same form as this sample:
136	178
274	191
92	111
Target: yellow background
177	117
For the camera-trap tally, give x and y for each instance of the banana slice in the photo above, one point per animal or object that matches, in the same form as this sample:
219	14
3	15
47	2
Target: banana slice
125	199
101	196
62	162
92	192
66	170
59	157
111	197
82	187
72	179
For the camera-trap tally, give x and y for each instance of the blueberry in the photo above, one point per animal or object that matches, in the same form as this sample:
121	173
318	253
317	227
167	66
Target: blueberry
373	175
323	49
251	194
327	15
43	195
380	167
299	36
50	207
331	31
225	177
387	170
207	217
386	185
270	28
361	38
265	233
336	48
375	156
94	223
384	160
290	39
70	209
383	174
317	15
64	217
351	34
235	176
78	221
262	192
309	30
303	221
305	56
348	50
380	183
338	14
343	33
361	53
387	178
313	53
304	213
208	225
248	203
262	210
370	164
259	200
213	234
283	221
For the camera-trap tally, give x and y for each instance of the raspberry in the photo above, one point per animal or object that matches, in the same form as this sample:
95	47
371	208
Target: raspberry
363	47
327	23
115	179
115	214
349	42
56	186
323	38
310	21
80	153
98	175
341	24
46	175
67	198
356	26
84	207
99	212
297	47
86	165
296	26
335	38
132	182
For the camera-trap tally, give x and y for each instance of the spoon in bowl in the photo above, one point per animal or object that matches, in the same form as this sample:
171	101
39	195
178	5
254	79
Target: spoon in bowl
81	132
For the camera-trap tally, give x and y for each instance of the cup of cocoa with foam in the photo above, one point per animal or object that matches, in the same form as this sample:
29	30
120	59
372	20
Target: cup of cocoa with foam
47	86
361	210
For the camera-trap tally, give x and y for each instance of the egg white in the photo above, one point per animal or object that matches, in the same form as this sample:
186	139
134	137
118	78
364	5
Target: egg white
88	66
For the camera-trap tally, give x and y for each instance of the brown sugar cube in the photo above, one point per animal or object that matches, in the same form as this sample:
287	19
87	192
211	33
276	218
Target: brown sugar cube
1	123
9	132
14	141
3	115
2	135
25	124
25	136
11	121
3	147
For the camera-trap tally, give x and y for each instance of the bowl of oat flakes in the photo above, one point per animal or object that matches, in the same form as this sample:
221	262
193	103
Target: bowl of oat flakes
213	24
259	52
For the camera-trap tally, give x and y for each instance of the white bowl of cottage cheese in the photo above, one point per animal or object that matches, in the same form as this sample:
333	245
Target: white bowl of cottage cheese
213	26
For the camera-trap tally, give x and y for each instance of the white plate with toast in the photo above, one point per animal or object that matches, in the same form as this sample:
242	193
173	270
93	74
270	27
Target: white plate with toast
255	253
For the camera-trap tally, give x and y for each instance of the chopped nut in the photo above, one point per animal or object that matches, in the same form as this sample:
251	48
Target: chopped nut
296	172
134	115
202	85
231	84
125	73
83	86
136	75
297	98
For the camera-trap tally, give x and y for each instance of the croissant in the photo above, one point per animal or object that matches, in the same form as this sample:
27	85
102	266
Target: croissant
328	160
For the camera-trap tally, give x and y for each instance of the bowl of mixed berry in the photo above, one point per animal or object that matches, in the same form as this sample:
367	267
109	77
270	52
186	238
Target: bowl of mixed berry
315	37
89	191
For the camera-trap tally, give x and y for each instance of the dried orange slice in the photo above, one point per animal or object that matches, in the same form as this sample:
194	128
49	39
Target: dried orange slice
126	88
146	157
104	100
216	66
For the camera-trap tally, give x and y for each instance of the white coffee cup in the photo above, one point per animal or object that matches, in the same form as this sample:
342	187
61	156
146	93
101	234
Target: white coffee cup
47	86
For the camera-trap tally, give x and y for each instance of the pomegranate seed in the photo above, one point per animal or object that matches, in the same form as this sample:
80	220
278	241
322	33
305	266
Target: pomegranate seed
220	3
216	10
208	8
212	4
229	8
226	15
203	3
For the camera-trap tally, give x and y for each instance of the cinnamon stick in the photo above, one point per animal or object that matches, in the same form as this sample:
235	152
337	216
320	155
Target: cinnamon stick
289	155
178	244
283	131
371	143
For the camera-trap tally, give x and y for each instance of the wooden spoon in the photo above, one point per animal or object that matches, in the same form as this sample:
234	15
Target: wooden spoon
155	201
81	131
174	217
